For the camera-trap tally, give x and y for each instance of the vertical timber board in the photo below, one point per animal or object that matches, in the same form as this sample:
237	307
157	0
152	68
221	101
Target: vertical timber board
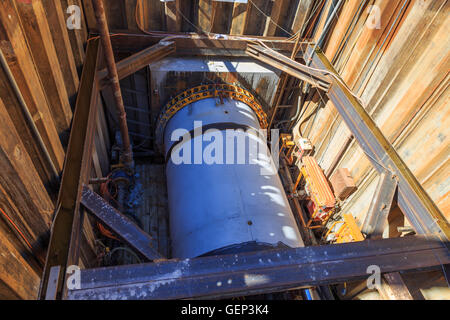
19	177
13	107
64	237
37	31
204	17
89	14
77	37
130	10
14	47
116	14
349	10
238	18
102	144
153	15
60	36
255	22
327	8
23	197
221	17
303	9
280	9
173	16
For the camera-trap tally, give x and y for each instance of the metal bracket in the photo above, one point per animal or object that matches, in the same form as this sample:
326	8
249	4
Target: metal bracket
377	216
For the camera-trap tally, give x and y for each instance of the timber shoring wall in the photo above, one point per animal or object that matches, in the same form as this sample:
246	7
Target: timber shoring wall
399	70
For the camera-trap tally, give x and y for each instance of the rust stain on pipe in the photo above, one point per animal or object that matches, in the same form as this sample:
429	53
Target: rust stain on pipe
102	26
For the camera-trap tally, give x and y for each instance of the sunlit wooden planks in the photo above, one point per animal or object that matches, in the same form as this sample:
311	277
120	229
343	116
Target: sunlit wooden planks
257	11
304	7
238	18
278	18
173	15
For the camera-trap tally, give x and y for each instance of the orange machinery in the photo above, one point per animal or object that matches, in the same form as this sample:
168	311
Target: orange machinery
322	202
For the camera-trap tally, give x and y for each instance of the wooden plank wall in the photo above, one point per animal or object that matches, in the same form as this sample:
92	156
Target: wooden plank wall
400	71
251	18
45	59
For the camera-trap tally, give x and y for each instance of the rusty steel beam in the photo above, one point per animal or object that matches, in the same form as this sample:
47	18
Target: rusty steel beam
65	236
291	67
200	45
113	76
124	227
138	61
259	272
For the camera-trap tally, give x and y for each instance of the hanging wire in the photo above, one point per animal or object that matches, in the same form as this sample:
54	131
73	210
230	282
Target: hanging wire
268	17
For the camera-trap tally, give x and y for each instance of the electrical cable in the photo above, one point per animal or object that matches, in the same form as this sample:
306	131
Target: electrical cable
175	35
268	17
311	15
139	260
17	229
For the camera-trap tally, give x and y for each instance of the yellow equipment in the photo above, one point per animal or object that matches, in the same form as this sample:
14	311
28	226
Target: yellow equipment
344	231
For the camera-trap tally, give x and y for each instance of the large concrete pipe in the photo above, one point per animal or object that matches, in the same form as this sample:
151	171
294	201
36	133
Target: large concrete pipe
221	208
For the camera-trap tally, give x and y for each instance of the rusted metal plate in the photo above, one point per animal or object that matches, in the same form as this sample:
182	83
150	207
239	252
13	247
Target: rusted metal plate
139	60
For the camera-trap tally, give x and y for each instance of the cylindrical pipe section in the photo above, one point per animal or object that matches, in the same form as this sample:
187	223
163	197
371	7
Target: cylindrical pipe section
102	26
225	195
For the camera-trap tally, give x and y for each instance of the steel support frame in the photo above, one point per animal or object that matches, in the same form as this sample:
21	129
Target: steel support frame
266	271
380	207
67	224
258	272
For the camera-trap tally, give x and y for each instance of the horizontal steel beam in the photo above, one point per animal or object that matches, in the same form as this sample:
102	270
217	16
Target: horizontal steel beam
137	61
291	67
196	44
259	272
124	227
